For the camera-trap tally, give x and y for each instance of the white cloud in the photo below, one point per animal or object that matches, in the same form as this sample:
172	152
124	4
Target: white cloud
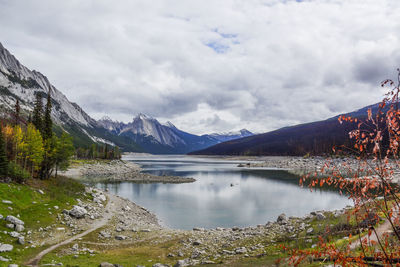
254	64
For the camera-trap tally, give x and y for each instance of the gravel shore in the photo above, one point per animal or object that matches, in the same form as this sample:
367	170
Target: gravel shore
119	171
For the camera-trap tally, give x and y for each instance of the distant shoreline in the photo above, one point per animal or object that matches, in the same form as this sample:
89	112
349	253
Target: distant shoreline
118	171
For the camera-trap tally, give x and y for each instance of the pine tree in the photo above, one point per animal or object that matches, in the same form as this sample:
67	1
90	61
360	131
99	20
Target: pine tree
64	151
3	156
17	112
37	118
48	123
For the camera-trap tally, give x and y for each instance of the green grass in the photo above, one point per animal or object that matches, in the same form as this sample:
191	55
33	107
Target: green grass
35	209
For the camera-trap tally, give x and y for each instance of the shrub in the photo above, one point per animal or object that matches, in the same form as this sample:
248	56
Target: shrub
17	173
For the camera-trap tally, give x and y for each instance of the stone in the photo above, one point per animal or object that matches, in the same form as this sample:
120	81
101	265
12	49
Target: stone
106	264
6	248
145	230
19	228
14	234
3	259
120	237
198	229
1	217
160	265
282	219
40	192
241	250
10	225
310	230
75	247
320	216
13	265
182	263
14	220
77	212
6	202
197	243
56	207
105	234
21	240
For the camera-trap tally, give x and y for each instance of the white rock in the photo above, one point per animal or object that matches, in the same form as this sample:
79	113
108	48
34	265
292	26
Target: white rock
6	248
7	201
19	228
14	220
78	212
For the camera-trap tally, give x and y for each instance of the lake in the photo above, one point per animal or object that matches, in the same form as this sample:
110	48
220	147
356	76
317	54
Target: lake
224	195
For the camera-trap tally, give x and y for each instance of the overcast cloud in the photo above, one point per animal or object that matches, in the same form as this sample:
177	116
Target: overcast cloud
209	65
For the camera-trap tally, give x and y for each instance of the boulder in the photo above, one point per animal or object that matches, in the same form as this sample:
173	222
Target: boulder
14	220
21	240
14	234
282	219
77	212
19	228
120	237
182	263
241	250
320	216
106	264
197	243
6	247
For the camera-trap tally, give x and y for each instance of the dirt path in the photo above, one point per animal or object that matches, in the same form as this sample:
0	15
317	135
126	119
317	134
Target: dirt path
379	231
108	214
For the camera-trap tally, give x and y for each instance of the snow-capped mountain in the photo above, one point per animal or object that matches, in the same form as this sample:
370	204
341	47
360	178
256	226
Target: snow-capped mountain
155	137
19	82
223	137
143	134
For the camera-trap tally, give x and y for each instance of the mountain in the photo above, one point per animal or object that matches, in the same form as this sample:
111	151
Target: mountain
158	138
143	134
19	82
313	138
223	137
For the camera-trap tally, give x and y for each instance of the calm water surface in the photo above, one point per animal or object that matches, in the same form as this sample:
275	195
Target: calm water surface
223	195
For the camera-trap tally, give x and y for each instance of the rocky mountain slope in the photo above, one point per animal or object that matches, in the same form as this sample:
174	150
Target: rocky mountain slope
19	82
158	138
143	134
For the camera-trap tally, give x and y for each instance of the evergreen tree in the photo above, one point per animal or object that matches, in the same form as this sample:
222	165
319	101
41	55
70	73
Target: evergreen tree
64	151
3	156
48	123
106	152
37	118
17	112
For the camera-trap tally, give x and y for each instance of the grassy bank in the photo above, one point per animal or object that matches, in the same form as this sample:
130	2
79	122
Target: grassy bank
37	209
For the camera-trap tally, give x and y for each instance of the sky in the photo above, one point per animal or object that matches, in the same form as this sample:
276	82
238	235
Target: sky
206	65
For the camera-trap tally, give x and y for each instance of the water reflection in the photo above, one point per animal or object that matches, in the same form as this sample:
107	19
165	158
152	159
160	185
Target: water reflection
223	194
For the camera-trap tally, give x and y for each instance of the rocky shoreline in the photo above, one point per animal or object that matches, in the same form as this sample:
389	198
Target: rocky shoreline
129	224
119	171
302	166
